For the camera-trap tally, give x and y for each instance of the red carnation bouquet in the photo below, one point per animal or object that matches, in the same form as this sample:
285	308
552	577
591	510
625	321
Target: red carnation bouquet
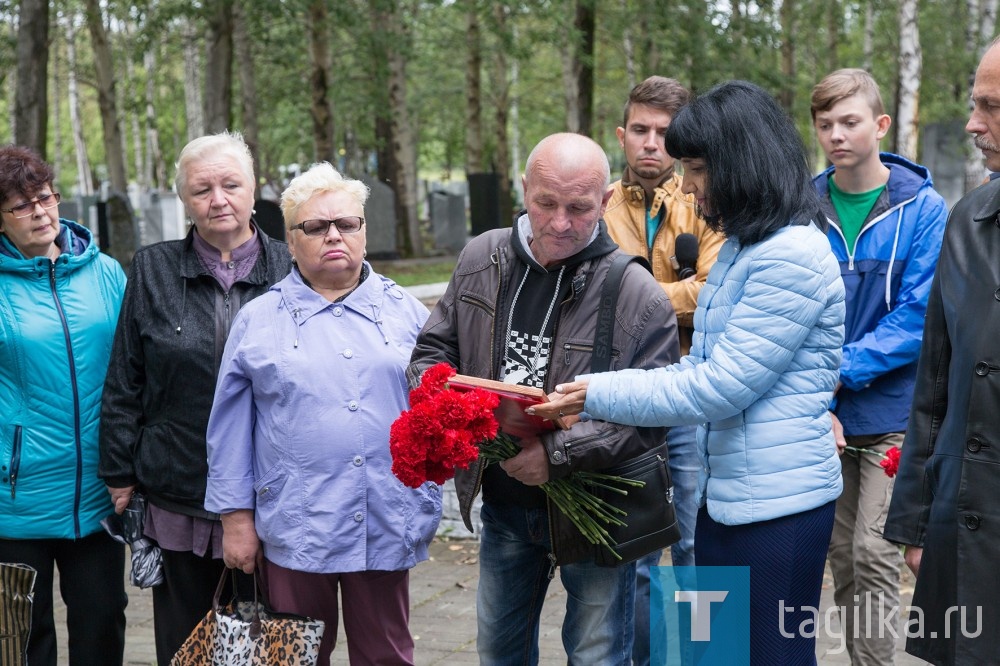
890	459
445	430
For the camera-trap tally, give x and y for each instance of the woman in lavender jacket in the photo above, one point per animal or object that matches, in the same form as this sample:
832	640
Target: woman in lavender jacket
298	441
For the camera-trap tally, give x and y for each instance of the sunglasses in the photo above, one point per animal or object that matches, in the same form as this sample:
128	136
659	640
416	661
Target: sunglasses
345	225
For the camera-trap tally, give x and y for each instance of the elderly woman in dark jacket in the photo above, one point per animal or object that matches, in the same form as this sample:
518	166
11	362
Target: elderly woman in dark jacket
180	300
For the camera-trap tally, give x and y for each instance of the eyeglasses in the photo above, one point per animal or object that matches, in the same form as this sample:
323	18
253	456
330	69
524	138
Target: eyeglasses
345	225
25	209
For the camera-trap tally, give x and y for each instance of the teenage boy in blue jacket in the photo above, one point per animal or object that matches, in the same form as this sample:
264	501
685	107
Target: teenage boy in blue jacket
886	225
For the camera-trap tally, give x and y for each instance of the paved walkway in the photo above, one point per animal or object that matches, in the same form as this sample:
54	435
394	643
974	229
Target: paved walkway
443	615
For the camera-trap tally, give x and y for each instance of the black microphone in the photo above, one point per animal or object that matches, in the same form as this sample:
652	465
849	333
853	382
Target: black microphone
685	257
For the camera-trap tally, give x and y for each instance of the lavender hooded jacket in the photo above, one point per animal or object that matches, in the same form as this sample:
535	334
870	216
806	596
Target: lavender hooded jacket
299	430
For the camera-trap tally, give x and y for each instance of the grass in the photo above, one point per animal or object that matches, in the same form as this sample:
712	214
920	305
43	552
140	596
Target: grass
409	273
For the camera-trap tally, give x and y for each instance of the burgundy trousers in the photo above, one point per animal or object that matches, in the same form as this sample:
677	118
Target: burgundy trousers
376	610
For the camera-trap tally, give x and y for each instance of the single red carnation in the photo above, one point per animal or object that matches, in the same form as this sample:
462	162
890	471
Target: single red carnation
891	461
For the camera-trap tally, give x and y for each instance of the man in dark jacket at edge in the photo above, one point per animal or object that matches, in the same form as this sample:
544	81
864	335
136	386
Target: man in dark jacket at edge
521	307
944	507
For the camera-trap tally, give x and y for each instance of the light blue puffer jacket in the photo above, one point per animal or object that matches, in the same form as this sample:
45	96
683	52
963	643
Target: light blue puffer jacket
766	356
57	320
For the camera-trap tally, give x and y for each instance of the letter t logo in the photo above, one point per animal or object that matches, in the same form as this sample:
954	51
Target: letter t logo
701	616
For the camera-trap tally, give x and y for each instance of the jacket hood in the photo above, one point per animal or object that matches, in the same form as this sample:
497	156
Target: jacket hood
906	179
600	244
75	241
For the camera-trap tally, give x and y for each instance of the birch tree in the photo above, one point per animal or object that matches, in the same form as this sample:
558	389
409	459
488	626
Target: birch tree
84	182
910	63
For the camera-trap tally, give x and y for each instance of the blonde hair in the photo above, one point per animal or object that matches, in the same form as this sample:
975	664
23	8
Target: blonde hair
320	178
846	83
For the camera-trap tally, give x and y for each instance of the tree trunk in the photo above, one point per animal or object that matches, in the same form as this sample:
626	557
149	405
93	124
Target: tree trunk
154	155
910	64
30	96
193	107
142	175
219	67
473	93
585	23
319	81
114	152
248	82
787	97
84	179
571	87
832	34
869	38
501	80
629	48
388	20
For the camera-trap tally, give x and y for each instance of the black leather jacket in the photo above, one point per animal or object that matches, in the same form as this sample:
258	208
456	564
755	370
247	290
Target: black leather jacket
161	380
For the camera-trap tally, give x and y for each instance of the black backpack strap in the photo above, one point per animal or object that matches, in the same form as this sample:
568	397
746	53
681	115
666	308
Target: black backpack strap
600	360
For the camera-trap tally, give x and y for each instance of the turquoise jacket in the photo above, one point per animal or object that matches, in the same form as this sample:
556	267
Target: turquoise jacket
57	320
759	379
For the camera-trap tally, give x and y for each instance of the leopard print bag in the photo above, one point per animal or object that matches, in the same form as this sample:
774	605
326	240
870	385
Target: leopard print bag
248	633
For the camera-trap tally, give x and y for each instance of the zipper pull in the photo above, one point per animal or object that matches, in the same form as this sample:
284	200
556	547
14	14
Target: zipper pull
552	566
13	484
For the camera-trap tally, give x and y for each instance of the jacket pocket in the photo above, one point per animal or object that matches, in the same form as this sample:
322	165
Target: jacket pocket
12	458
278	514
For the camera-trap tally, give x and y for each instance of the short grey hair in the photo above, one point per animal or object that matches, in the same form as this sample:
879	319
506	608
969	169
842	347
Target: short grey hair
229	144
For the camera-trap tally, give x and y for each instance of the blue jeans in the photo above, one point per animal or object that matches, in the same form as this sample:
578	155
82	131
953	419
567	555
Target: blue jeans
684	468
514	573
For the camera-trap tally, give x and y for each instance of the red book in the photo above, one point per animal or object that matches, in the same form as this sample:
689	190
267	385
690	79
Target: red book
514	399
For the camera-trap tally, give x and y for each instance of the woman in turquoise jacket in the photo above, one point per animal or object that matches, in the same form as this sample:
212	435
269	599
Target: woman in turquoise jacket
769	328
59	302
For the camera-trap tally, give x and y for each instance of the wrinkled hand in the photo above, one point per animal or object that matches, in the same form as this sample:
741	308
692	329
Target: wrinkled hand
531	465
912	556
838	434
120	497
240	543
568	399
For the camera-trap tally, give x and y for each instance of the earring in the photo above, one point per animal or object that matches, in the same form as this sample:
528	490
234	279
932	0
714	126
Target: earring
253	210
364	253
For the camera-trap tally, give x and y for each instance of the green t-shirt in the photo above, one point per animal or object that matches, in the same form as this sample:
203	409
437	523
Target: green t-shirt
852	209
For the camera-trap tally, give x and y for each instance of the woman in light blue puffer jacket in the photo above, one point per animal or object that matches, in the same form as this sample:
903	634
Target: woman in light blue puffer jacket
765	359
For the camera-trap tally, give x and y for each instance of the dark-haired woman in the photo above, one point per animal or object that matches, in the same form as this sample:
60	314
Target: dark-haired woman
762	368
59	302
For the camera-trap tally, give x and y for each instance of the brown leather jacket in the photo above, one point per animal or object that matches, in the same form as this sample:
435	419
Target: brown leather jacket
465	330
626	220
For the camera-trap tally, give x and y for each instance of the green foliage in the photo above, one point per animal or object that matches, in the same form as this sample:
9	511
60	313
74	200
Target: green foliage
699	42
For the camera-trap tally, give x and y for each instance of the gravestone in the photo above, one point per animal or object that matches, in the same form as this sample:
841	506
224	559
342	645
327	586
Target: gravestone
380	220
448	221
267	215
151	230
944	148
484	202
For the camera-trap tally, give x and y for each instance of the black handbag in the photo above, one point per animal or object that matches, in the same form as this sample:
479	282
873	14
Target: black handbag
651	522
